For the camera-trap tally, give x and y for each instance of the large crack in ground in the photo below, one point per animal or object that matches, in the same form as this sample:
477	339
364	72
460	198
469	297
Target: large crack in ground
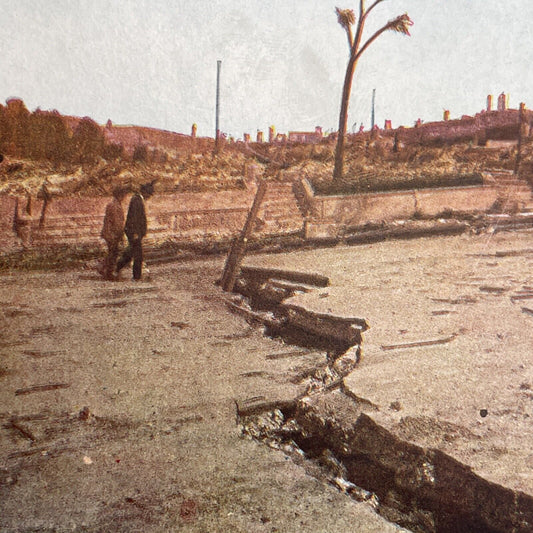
331	432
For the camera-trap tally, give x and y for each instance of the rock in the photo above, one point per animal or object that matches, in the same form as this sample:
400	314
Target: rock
347	361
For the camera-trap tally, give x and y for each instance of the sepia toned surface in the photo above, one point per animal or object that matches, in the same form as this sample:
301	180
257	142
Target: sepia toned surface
119	410
119	399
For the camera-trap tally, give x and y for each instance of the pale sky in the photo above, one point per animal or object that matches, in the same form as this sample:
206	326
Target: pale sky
153	62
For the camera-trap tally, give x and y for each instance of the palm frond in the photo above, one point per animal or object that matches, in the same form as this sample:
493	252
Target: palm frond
345	17
400	24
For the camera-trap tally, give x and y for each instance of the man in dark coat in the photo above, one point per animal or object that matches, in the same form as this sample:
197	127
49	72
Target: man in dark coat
135	229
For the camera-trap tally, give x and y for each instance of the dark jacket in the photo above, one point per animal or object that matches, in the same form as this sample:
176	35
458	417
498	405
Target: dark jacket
136	219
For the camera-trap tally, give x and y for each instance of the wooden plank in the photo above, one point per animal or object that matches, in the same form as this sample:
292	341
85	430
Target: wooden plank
291	285
307	278
42	388
416	344
264	406
238	246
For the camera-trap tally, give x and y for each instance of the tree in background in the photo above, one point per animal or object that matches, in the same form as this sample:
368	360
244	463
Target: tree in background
88	141
113	151
16	119
346	18
140	154
49	137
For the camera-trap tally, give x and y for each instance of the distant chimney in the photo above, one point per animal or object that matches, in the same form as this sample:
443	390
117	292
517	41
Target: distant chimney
446	114
489	102
193	131
502	102
388	124
318	131
259	136
246	137
271	134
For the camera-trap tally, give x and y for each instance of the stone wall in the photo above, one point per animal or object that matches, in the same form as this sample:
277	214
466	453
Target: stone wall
287	208
433	202
331	216
187	217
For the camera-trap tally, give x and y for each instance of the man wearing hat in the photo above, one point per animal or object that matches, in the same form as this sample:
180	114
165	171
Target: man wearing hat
135	229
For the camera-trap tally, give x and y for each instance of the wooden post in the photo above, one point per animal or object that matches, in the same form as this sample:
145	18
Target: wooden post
217	110
238	246
46	199
521	113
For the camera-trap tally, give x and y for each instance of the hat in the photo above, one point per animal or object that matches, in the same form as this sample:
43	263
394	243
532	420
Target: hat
147	188
120	191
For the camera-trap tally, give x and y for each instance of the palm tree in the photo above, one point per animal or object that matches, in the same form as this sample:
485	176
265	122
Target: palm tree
346	18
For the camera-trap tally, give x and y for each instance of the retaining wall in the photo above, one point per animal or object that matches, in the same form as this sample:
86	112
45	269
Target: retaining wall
220	215
330	216
78	220
179	216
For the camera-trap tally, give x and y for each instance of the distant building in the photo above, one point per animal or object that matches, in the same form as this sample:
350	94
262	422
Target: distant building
306	136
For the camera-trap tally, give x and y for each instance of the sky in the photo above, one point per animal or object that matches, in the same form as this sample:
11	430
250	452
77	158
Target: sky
154	62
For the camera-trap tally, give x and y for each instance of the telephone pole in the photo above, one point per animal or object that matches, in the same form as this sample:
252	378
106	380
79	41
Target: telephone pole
373	116
217	112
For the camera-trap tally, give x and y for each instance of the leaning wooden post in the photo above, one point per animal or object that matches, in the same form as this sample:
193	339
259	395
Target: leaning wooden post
238	246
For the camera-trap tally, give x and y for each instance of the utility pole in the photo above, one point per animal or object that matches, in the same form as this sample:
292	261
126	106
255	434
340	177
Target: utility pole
373	116
217	128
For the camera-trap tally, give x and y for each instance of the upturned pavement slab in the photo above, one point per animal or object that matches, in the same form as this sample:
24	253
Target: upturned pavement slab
447	359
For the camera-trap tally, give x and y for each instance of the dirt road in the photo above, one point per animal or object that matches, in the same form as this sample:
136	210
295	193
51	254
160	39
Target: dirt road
118	400
118	411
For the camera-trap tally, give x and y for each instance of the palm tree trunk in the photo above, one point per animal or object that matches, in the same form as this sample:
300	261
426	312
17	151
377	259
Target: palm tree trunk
343	119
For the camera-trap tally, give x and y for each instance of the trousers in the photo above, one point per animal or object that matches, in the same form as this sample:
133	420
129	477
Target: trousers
110	260
134	251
